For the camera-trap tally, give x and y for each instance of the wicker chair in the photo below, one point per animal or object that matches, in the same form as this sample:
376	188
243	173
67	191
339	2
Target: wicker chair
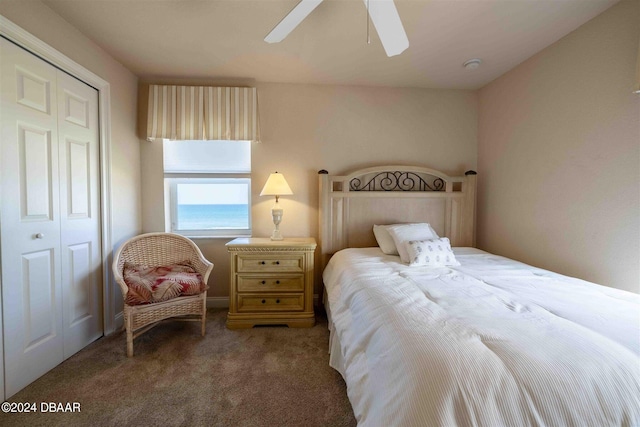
158	249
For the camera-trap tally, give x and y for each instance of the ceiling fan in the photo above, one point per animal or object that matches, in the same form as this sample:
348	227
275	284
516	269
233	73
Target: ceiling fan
383	13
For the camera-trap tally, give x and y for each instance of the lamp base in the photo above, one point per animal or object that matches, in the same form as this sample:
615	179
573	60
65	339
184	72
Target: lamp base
276	235
276	213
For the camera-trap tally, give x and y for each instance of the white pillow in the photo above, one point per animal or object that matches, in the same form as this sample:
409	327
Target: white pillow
384	239
431	253
401	233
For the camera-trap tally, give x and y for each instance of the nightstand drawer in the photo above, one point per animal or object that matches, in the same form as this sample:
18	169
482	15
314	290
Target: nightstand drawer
259	263
255	302
269	284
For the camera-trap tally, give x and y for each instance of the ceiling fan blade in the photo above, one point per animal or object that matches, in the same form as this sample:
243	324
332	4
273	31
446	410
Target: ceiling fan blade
385	18
291	21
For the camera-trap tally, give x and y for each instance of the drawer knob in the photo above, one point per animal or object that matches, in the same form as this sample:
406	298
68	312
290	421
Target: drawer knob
262	262
263	301
277	301
263	282
277	282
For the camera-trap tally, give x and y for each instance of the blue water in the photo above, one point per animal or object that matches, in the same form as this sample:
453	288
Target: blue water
208	217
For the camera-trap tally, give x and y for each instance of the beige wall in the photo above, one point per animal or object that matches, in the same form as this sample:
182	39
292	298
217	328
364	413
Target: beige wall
555	140
42	22
306	128
559	155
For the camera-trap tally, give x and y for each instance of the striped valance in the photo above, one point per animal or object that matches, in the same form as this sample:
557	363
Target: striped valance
202	112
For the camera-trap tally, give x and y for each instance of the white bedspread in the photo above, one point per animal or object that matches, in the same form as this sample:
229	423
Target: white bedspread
493	342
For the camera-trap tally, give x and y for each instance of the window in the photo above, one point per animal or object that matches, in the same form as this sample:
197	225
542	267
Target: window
208	187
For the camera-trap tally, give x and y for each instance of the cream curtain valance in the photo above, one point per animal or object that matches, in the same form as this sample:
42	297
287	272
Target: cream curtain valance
231	113
202	112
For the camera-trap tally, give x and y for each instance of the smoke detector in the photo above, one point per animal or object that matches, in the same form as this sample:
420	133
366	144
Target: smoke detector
472	64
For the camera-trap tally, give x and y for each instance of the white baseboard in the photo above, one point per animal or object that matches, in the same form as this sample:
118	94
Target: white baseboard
118	321
212	302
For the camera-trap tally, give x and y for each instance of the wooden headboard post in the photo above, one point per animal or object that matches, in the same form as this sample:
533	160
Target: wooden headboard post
323	217
469	216
351	204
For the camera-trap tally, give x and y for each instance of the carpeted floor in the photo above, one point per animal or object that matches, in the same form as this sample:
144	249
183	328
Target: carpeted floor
265	376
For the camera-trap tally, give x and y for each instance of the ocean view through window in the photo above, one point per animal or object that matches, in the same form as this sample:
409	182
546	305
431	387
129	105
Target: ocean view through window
201	217
212	204
208	186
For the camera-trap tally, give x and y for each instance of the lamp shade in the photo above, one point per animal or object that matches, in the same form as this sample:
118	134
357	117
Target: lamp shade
276	185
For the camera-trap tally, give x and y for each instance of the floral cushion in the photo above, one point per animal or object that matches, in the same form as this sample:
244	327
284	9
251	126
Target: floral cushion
154	284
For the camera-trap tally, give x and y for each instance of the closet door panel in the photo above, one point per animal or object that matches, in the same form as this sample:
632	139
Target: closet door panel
39	291
29	213
78	178
80	212
36	180
33	90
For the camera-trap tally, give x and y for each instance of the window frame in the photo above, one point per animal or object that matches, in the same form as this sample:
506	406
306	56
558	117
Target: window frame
171	184
171	181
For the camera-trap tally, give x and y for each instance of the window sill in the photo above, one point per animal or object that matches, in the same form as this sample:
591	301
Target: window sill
216	237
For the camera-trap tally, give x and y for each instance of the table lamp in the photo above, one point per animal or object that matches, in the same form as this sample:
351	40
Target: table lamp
277	186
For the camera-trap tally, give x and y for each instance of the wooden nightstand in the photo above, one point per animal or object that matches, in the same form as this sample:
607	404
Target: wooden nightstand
271	282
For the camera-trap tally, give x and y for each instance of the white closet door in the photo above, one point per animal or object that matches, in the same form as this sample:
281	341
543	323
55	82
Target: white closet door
79	213
30	237
49	216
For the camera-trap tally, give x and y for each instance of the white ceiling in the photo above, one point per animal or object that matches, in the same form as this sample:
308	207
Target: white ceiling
223	39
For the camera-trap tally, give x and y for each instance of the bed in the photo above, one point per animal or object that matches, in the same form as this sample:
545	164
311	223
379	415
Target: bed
482	340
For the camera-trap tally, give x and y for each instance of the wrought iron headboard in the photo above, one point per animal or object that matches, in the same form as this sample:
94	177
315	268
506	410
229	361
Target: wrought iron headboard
397	181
